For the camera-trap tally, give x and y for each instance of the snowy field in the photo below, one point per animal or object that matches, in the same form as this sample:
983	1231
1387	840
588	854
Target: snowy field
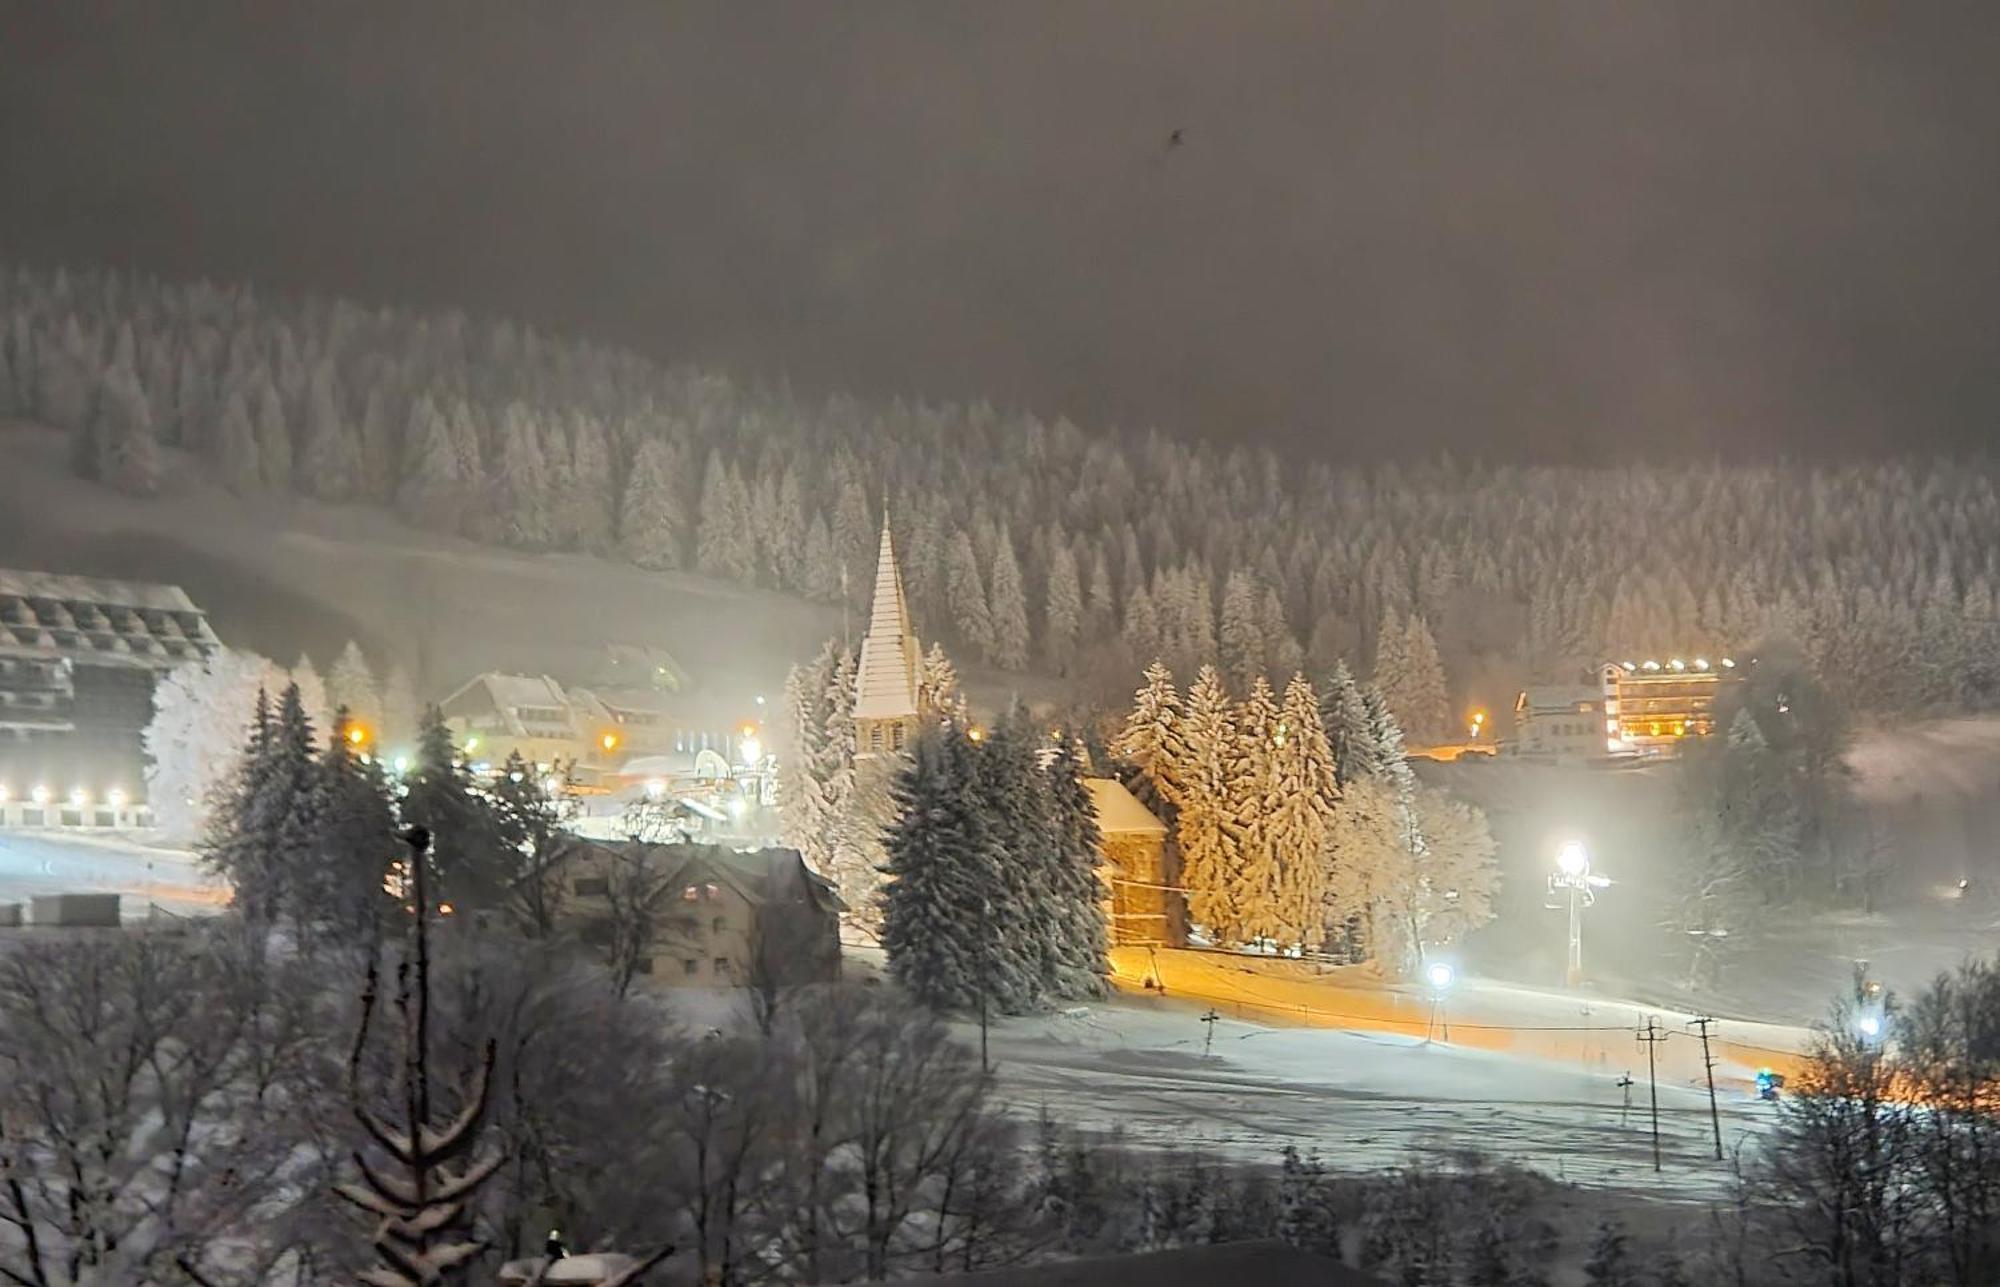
1360	1099
50	862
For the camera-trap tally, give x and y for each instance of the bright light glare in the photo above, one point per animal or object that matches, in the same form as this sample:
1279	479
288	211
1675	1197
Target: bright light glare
1572	860
1869	1025
79	797
1440	975
40	795
116	798
655	789
753	750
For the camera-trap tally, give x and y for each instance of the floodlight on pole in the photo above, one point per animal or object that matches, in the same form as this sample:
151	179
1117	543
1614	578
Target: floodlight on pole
1440	975
1573	877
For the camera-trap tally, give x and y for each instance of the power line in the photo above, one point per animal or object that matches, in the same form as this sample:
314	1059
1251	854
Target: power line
1653	1036
1708	1066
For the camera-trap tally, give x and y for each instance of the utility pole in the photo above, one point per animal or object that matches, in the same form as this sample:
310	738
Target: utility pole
985	973
1208	1040
1708	1065
1652	1036
1625	1109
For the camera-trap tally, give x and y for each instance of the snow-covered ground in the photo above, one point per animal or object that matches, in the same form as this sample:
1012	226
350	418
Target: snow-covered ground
1360	1099
55	862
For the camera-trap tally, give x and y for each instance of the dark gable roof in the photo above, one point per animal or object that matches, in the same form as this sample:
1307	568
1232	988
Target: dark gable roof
751	873
1225	1264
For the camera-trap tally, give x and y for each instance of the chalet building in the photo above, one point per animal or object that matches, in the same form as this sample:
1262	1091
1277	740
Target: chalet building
595	730
79	657
1559	722
730	918
885	682
1142	907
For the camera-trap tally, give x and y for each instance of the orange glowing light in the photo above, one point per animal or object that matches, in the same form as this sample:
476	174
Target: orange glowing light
356	734
609	741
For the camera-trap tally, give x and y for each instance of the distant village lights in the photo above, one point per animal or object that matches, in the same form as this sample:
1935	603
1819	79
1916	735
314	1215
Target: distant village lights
40	795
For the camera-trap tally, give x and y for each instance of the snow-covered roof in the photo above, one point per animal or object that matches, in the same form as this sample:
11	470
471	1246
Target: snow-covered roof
1119	811
126	622
885	685
509	695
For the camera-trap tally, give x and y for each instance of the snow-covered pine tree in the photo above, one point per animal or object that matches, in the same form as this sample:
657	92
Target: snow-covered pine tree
297	798
351	684
1009	641
518	508
1252	787
401	715
1426	710
379	446
202	719
356	847
1297	810
312	692
527	819
965	590
852	803
1081	940
236	449
937	686
1062	616
1241	635
651	525
1141	626
584	500
128	451
330	453
1349	732
722	547
1205	824
433	487
819	567
439	795
1283	654
274	436
803	810
241	834
1151	740
943	874
1022	915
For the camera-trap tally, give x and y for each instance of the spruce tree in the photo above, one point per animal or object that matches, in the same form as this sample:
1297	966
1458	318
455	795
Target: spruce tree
400	713
241	835
1022	916
128	451
1206	829
937	686
1062	617
274	436
1241	635
1349	732
439	794
1251	790
650	521
1009	608
330	455
237	461
433	486
350	684
966	591
295	795
943	876
527	821
357	847
1152	743
804	817
1081	941
1297	808
1425	708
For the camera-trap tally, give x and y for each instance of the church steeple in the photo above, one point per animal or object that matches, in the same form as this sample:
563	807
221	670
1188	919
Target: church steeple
885	686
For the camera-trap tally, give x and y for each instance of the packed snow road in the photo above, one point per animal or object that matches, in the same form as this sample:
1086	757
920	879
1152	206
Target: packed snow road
40	862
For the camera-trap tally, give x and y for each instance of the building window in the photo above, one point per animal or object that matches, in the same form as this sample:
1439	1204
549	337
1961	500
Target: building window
711	893
690	966
896	738
721	924
592	886
691	893
722	965
875	737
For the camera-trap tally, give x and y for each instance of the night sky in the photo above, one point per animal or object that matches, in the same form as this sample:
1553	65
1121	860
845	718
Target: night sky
1546	231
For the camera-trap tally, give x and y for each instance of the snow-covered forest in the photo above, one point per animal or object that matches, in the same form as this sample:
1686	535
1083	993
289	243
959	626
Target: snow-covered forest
1028	542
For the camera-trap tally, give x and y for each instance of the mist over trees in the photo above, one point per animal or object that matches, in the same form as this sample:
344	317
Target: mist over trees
1028	542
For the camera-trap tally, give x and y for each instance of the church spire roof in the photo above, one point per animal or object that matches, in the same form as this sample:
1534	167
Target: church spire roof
886	683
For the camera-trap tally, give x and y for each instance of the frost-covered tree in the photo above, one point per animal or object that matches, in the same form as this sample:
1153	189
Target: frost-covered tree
1009	643
439	794
651	525
274	435
1296	796
944	876
356	846
1062	616
1241	635
238	465
351	684
1023	913
805	805
1252	788
1207	829
937	686
128	451
434	486
722	540
1152	739
330	453
312	692
966	591
202	714
1080	937
400	711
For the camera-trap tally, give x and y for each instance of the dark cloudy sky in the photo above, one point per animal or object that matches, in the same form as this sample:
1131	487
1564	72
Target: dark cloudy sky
1510	228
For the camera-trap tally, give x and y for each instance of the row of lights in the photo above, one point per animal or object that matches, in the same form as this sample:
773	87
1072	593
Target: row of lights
1676	665
40	796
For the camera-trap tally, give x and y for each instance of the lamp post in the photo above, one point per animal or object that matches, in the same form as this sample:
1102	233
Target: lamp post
1439	976
1573	877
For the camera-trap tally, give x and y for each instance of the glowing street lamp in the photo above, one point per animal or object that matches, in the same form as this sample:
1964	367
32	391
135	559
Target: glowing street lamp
115	798
40	795
753	750
1573	877
1440	976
